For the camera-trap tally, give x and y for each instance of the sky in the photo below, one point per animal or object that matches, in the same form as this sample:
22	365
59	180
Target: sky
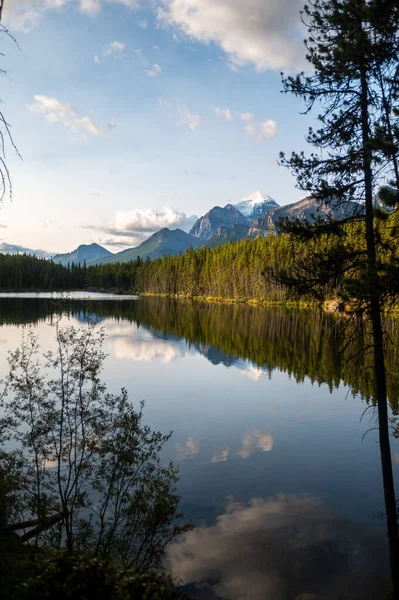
133	115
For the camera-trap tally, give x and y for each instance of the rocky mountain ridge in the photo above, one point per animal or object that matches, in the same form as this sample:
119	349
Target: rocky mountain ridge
256	205
221	225
228	216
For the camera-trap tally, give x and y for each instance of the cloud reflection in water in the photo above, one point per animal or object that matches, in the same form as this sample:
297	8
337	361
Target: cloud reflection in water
256	440
130	343
288	547
187	450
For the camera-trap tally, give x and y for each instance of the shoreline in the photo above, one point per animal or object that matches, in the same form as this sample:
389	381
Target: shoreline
331	306
250	301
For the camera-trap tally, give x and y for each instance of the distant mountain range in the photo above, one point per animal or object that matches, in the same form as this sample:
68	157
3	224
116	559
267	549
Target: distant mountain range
256	215
84	252
164	241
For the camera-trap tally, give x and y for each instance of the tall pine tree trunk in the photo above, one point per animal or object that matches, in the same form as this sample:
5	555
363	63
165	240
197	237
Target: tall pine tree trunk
378	347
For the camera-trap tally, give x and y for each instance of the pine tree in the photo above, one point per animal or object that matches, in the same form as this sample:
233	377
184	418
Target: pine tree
353	52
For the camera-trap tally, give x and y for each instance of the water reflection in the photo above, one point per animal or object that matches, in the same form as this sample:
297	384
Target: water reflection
220	456
187	450
253	373
284	548
256	404
255	440
138	345
300	343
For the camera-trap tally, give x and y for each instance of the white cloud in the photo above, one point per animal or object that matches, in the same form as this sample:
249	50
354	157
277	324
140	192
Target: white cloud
164	103
260	130
117	243
143	23
96	59
223	113
24	15
154	71
264	34
136	225
188	118
114	49
139	53
192	120
90	7
56	112
21	18
147	220
128	3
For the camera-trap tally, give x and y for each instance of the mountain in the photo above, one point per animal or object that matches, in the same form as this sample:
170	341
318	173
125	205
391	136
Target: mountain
228	234
216	227
308	208
207	226
162	242
256	205
91	253
6	248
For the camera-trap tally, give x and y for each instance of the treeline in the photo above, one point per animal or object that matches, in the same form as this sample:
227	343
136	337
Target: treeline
233	270
246	269
25	272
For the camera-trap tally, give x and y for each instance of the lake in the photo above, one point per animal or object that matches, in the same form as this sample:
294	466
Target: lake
269	422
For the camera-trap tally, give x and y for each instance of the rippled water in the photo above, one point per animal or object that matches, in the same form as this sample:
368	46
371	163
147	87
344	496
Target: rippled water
275	473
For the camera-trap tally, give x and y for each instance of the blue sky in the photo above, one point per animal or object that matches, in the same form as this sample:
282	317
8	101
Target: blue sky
133	115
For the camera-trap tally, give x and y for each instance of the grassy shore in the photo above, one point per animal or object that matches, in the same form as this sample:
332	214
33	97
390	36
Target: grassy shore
224	300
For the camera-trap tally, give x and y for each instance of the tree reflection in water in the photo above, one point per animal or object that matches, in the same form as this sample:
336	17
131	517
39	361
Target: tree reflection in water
289	547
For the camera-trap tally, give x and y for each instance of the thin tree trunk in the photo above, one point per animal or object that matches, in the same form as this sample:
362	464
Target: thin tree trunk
378	346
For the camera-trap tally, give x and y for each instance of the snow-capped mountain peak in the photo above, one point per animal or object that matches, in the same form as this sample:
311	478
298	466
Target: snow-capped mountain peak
256	205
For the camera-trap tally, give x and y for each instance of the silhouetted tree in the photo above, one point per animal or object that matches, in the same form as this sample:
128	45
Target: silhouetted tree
353	52
89	477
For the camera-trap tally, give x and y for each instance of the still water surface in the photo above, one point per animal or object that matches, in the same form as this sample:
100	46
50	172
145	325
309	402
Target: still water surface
275	473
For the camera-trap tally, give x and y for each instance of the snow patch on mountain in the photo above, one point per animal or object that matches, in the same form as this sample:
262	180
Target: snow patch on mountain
256	205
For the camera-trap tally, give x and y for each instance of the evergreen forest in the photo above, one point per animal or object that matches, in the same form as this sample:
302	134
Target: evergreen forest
242	270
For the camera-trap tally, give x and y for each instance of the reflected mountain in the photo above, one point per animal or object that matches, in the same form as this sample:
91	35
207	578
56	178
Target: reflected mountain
288	547
216	356
84	316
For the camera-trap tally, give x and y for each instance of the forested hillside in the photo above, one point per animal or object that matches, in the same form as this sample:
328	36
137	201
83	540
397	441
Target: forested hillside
236	270
246	269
